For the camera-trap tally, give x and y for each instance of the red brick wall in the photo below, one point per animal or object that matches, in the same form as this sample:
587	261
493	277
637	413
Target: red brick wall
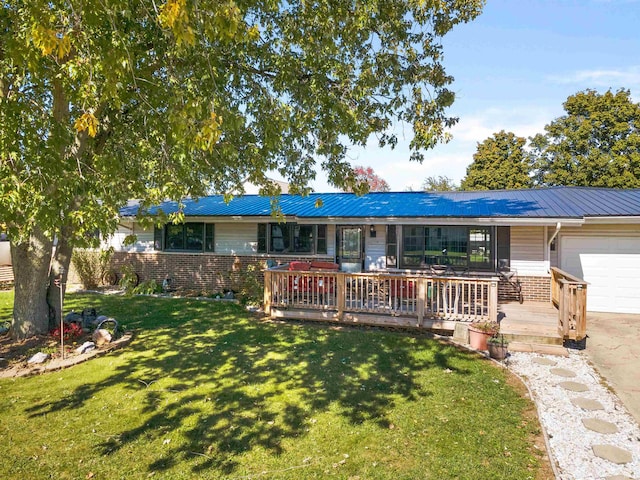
210	273
534	289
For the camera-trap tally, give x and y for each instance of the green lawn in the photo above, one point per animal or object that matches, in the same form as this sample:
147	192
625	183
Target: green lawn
206	391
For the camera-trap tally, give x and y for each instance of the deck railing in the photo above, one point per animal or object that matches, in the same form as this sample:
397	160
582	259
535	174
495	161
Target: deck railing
569	295
381	296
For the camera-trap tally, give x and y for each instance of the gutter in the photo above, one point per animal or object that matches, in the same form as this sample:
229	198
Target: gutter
550	241
555	234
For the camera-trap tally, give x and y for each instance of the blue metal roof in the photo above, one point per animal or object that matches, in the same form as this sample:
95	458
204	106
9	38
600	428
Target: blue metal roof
555	202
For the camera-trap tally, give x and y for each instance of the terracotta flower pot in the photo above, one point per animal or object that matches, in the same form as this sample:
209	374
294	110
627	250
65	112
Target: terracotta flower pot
478	338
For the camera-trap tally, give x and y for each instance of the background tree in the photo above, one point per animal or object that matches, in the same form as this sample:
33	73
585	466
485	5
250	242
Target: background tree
438	184
367	179
500	162
105	101
597	143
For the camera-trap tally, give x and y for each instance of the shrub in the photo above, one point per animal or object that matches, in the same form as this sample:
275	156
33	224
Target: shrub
91	265
129	279
147	288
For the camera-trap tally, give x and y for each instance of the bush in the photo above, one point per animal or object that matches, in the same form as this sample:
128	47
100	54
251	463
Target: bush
129	280
147	288
91	265
252	289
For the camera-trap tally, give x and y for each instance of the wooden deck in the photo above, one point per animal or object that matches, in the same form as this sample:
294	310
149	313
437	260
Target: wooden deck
6	273
436	302
530	322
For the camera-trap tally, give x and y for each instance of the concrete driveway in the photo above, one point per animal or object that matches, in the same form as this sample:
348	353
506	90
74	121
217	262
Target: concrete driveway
613	346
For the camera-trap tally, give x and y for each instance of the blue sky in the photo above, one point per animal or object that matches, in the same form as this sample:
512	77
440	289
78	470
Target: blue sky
514	66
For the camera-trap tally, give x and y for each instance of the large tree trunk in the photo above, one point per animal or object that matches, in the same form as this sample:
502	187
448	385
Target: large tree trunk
61	262
31	259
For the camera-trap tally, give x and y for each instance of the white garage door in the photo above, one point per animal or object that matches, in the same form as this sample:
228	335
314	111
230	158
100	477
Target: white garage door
611	266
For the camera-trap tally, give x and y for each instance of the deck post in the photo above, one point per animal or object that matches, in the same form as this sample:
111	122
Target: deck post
267	292
493	300
581	312
341	293
422	299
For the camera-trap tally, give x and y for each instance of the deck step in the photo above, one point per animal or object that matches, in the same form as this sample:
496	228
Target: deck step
544	349
529	337
6	274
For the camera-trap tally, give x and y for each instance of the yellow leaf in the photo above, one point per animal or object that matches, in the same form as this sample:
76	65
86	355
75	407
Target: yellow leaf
87	121
49	41
210	132
63	47
44	38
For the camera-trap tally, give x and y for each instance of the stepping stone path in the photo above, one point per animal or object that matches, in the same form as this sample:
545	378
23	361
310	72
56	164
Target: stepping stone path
613	454
563	372
600	426
587	404
545	361
610	453
574	386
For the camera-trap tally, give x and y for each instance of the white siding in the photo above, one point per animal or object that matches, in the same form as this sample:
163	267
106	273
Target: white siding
527	251
236	238
144	241
374	249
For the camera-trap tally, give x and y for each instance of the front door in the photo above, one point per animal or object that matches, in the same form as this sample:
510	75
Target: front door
350	249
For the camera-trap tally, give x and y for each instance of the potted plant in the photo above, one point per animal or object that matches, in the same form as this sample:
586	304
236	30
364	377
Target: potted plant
480	332
497	346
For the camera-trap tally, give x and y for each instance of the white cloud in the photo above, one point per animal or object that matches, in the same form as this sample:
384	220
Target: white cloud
607	78
524	121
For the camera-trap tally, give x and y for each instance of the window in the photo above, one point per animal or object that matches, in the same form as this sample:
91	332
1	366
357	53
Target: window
480	248
321	239
458	246
503	247
209	237
392	247
286	238
157	238
188	237
262	238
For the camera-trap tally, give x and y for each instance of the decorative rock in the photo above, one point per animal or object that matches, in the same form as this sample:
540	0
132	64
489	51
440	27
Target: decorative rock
86	347
39	357
544	361
73	317
574	386
600	426
587	404
563	372
461	333
101	336
612	454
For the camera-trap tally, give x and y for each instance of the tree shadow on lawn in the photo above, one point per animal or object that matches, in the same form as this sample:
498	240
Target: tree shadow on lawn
229	384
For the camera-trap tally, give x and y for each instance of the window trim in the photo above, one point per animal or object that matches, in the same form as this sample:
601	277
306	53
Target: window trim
160	237
315	250
490	265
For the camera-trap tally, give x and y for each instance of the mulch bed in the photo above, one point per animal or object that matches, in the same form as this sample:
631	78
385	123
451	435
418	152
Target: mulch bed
14	354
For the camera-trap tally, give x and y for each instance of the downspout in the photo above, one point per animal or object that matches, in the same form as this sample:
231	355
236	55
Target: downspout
553	237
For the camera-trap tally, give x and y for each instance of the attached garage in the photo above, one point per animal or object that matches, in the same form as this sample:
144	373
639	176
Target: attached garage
611	266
